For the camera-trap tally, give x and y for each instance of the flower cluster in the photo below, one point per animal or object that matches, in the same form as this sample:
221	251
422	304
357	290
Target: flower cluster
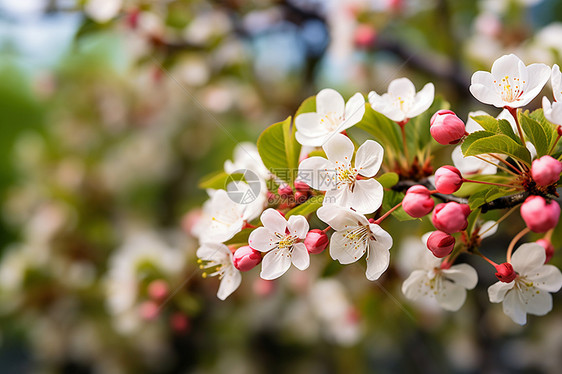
500	163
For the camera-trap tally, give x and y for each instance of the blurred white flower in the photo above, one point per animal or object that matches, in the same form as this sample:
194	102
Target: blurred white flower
553	112
332	116
354	237
339	179
246	157
218	258
530	291
401	102
510	83
282	240
102	10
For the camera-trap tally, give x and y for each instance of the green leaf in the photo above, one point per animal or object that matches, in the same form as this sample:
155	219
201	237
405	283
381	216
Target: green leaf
219	180
384	130
309	206
549	128
505	128
482	142
468	189
307	106
488	123
535	132
418	128
241	237
390	200
487	195
388	180
279	149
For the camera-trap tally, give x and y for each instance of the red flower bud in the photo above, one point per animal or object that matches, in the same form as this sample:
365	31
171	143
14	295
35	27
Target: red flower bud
285	190
450	217
539	215
316	241
158	290
246	258
440	243
302	186
448	179
548	248
417	202
505	272
446	127
300	197
546	170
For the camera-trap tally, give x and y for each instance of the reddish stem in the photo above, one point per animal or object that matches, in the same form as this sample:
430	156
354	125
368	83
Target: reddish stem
384	216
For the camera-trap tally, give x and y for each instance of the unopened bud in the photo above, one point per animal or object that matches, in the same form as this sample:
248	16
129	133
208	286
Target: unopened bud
316	241
446	127
448	179
540	215
440	243
417	202
548	248
546	170
246	258
505	272
450	217
158	290
149	310
285	190
301	186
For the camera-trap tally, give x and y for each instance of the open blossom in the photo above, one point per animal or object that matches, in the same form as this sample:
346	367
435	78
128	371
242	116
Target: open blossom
246	157
332	116
530	291
553	112
338	178
354	237
221	218
510	83
282	240
402	102
217	258
446	286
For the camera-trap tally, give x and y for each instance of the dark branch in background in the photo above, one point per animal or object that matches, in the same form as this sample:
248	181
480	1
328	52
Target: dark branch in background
505	202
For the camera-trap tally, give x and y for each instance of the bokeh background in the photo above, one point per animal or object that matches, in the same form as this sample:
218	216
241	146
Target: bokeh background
112	110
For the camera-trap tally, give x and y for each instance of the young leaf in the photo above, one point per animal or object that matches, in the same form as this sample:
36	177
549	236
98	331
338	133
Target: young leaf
390	200
388	180
279	149
384	130
219	180
309	206
506	129
488	123
535	132
481	142
307	106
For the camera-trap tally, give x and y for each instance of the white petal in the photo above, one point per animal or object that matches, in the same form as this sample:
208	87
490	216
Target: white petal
451	296
423	101
402	87
497	291
346	250
213	252
309	125
528	258
547	278
262	239
556	82
488	229
378	259
229	283
340	218
482	88
311	141
354	111
538	75
273	220
298	225
513	308
506	65
367	196
415	286
463	275
300	256
318	173
329	100
275	264
369	158
536	302
339	150
383	238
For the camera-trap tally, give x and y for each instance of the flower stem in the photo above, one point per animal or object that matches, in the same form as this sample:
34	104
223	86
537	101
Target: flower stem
499	166
327	228
554	144
518	171
403	131
513	112
382	218
486	258
499	220
490	183
514	241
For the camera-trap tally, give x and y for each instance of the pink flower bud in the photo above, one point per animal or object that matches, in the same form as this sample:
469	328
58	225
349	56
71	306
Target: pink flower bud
316	241
450	217
448	179
546	170
158	290
548	248
149	310
302	186
539	215
559	130
505	272
440	244
301	197
285	190
365	35
246	258
446	127
417	202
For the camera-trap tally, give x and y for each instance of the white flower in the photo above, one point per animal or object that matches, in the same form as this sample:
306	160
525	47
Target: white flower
221	218
447	286
553	112
530	291
336	175
401	102
218	257
332	116
102	10
354	237
510	83
246	157
281	240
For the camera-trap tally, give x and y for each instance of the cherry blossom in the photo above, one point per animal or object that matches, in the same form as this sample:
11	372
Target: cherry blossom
354	237
331	117
510	83
281	239
553	112
338	178
401	102
217	257
446	286
529	292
